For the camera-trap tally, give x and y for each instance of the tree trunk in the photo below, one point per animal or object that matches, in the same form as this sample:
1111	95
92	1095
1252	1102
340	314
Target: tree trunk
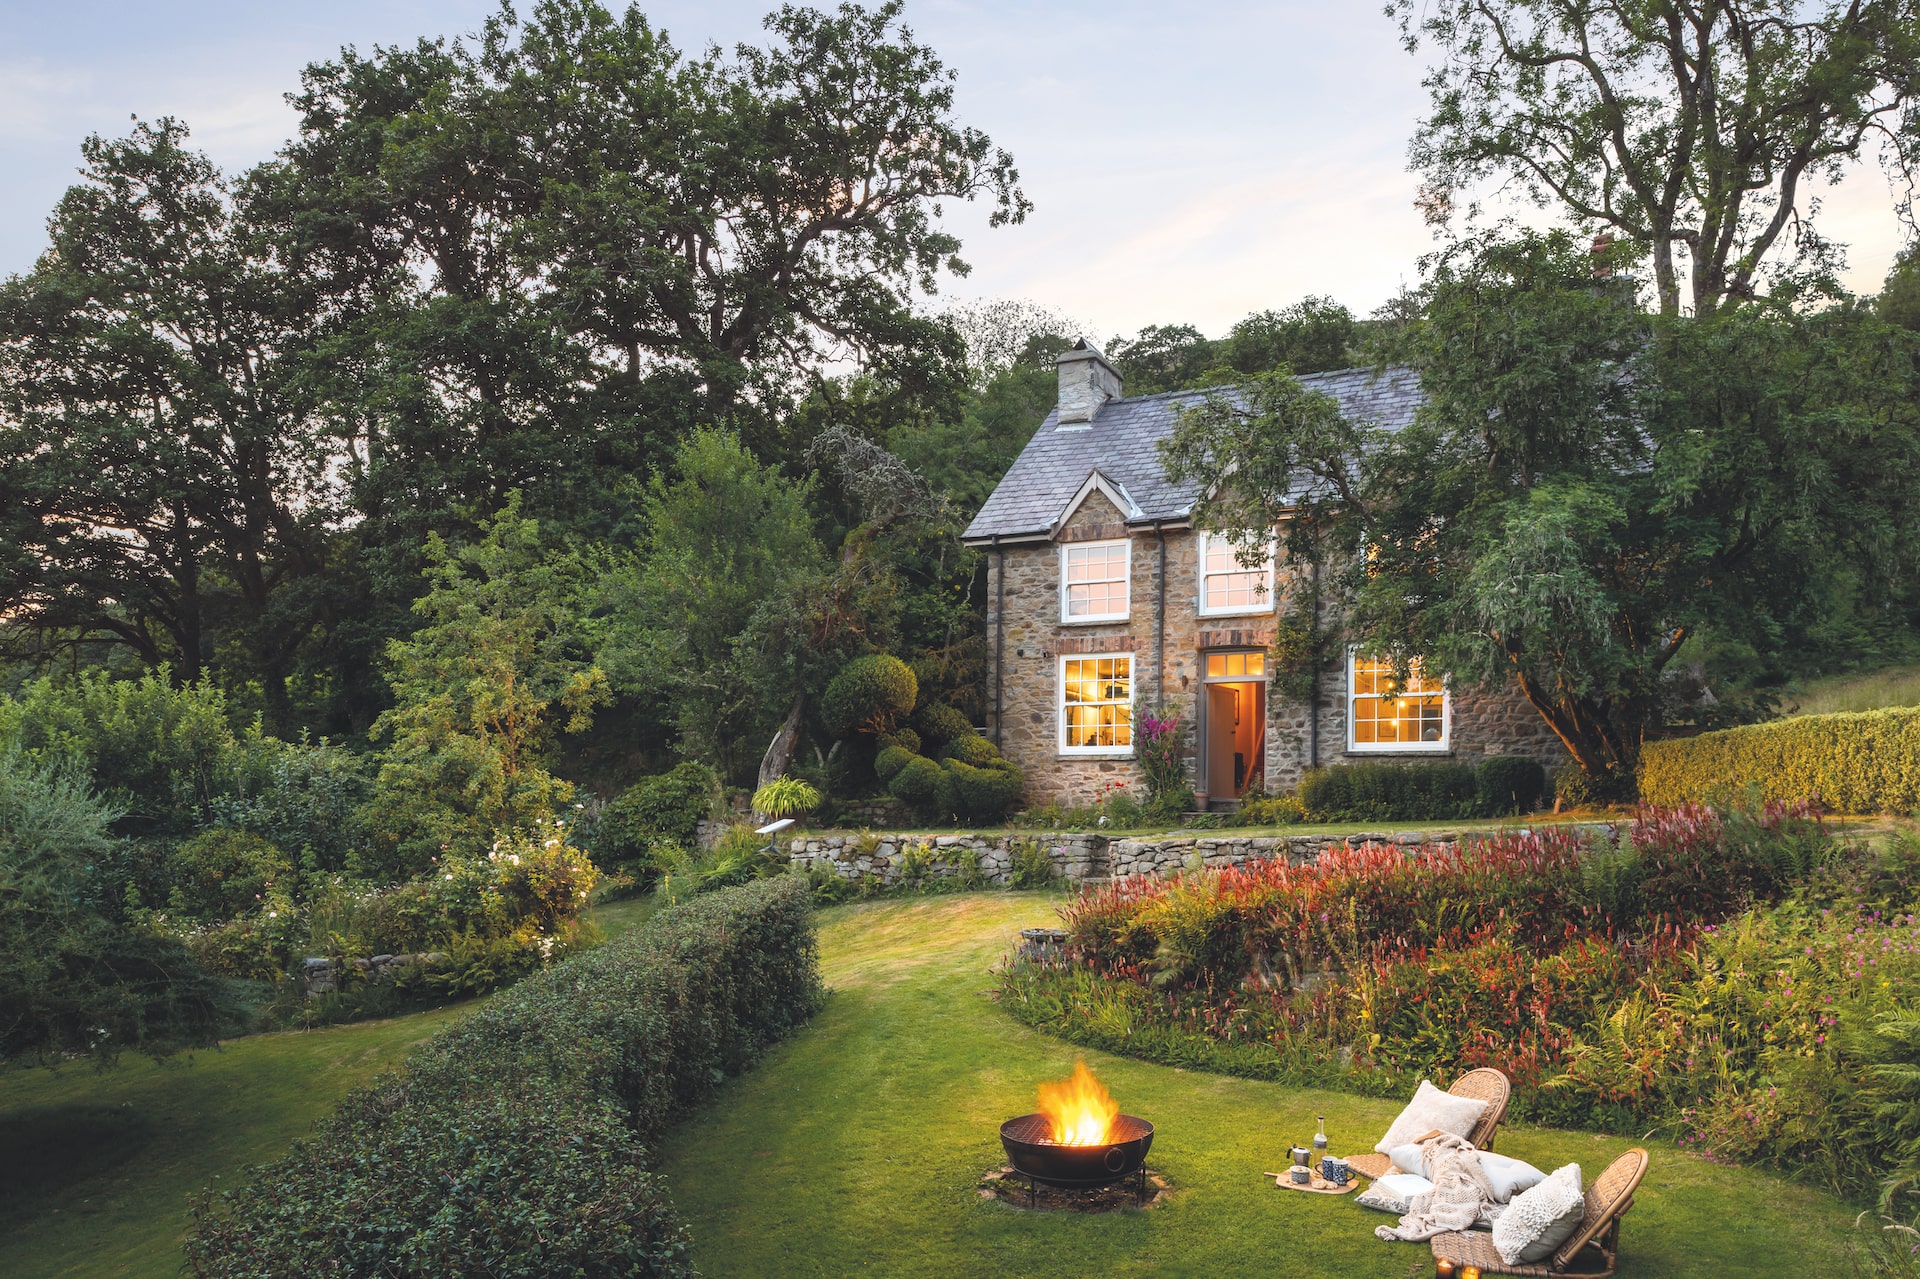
780	751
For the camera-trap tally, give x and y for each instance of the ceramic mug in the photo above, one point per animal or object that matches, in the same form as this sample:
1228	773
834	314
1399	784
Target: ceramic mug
1335	1170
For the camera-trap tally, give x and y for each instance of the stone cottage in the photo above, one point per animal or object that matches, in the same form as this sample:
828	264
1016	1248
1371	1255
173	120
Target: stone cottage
1102	594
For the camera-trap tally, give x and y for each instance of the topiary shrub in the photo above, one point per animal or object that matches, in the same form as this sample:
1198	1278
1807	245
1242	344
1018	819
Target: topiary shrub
890	761
869	695
979	795
972	749
513	1143
903	737
1510	785
668	807
916	784
939	722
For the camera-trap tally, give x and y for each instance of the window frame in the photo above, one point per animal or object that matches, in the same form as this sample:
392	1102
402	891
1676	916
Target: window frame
1125	579
1060	707
1235	610
1355	747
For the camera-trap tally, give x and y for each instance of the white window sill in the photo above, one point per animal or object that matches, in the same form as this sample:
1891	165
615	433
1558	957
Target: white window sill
1255	611
1399	748
1108	620
1065	753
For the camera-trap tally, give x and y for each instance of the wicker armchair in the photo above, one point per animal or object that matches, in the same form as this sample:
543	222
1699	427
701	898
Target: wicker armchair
1591	1253
1485	1084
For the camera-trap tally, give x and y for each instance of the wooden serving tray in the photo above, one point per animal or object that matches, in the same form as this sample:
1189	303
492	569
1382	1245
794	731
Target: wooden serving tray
1318	1186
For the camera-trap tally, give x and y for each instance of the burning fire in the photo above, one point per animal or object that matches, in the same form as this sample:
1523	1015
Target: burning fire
1079	1108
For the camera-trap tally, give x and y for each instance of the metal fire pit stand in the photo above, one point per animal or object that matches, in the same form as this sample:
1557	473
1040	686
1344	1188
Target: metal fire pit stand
1033	1187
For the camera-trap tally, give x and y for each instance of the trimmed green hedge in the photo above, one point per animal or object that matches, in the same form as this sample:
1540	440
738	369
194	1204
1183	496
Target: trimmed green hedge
1430	790
1866	762
514	1143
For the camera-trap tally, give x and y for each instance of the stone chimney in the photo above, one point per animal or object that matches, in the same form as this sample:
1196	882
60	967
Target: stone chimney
1086	382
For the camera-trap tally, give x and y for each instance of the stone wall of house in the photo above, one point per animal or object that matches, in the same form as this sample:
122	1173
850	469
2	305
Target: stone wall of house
1077	858
1034	640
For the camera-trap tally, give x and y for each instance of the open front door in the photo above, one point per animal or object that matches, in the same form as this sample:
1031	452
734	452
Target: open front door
1233	723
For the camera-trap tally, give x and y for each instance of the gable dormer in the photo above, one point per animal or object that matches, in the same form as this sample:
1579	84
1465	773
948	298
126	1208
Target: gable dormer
1100	503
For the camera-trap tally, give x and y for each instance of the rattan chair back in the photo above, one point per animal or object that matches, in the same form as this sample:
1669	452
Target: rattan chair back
1609	1195
1491	1086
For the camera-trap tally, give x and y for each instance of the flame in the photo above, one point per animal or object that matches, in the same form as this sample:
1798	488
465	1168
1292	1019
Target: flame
1079	1108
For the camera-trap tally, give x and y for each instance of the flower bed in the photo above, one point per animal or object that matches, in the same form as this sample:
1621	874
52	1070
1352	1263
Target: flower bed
1745	980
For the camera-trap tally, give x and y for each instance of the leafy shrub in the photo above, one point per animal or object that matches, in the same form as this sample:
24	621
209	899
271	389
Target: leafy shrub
1850	763
1031	865
869	695
669	806
888	763
1384	791
306	798
917	783
1161	748
1272	810
939	722
737	856
1510	785
971	749
979	795
904	738
514	1142
785	797
221	873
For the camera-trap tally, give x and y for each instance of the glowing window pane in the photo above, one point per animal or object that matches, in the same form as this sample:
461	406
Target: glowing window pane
1386	711
1096	702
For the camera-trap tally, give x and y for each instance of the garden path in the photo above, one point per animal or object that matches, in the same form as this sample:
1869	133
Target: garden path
856	1147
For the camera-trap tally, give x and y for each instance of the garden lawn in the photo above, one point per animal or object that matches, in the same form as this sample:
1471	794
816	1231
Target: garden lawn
857	1147
96	1167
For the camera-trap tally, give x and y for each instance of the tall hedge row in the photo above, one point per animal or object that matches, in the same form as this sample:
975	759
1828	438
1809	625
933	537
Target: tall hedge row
513	1144
1866	762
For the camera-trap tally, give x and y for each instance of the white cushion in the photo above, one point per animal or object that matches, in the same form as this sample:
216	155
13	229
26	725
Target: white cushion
1540	1219
1429	1110
1393	1192
1508	1176
1407	1158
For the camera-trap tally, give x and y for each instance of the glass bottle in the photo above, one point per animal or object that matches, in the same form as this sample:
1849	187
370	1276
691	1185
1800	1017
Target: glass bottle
1319	1142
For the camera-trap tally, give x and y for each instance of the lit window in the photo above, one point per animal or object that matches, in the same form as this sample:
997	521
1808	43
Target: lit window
1387	715
1227	585
1236	666
1096	703
1093	581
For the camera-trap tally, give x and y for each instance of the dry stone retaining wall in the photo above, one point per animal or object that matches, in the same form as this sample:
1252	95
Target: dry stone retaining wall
1077	858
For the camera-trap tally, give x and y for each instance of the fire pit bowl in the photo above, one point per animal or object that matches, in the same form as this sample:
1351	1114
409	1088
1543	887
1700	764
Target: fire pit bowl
1034	1154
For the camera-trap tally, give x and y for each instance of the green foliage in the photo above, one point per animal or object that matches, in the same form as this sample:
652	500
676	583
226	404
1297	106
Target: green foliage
869	695
1510	785
888	763
981	796
1272	810
305	797
917	783
221	872
667	807
1849	763
737	856
1031	865
785	797
971	749
498	668
541	1103
1390	791
72	981
939	722
905	738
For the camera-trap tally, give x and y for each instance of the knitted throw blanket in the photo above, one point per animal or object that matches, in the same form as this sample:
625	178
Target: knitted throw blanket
1460	1192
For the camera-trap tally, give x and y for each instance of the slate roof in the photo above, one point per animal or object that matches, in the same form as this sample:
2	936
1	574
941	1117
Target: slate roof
1121	445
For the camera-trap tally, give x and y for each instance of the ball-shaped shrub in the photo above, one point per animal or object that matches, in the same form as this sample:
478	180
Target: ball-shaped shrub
917	783
939	722
890	761
979	795
868	695
972	749
903	737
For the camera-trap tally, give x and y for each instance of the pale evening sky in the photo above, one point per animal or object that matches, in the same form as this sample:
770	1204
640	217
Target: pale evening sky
1188	163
